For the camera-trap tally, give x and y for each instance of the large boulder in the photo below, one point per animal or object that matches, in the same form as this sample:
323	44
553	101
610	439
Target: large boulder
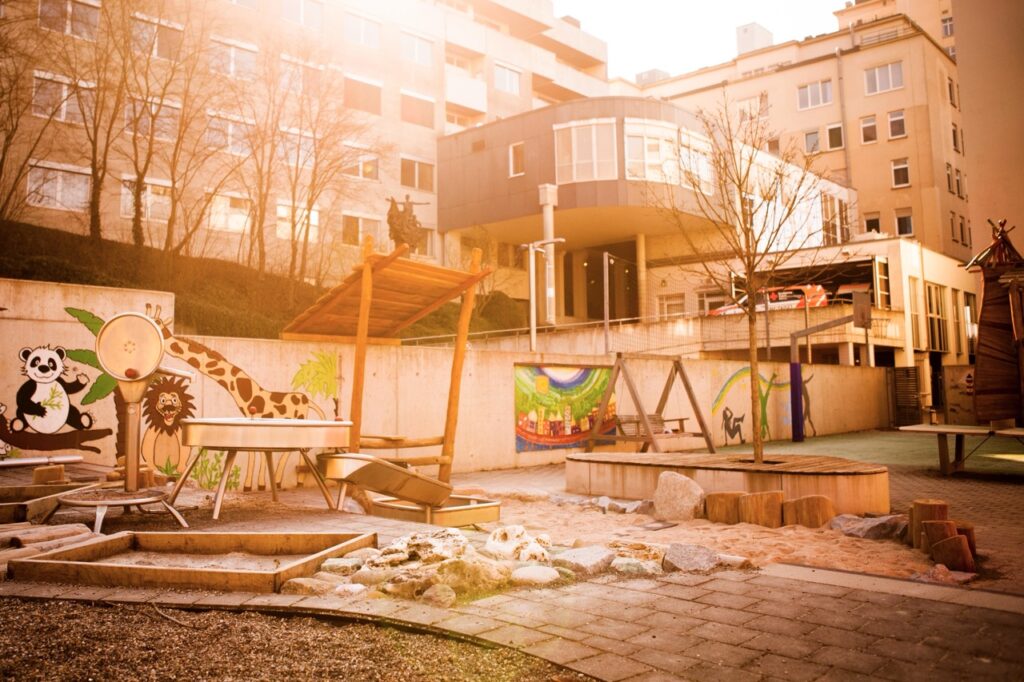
513	542
677	498
877	528
586	560
470	574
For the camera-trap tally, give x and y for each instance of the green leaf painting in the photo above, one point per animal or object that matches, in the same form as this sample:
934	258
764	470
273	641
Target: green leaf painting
91	322
318	376
85	356
100	389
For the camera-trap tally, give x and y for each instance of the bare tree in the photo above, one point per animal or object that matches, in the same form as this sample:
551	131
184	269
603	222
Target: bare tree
755	210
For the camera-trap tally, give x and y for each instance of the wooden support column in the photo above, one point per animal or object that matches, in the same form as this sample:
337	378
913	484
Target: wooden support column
362	334
458	359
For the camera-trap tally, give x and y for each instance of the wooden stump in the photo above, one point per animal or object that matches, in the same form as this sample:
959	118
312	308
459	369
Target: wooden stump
812	511
909	537
926	510
724	507
966	528
954	553
935	531
41	534
763	509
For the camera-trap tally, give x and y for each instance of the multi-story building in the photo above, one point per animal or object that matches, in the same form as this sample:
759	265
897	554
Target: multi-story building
283	119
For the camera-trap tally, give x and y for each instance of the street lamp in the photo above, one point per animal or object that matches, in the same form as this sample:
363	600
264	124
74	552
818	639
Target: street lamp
532	248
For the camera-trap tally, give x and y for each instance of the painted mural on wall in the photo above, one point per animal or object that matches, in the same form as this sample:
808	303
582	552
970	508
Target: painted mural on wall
557	405
730	407
165	403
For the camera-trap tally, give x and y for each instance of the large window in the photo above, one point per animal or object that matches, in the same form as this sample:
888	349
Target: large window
868	130
585	151
80	18
156	200
363	164
711	300
671	305
947	27
958	327
900	173
652	152
904	222
883	78
418	174
959	184
883	296
308	13
417	50
872	222
507	79
157	38
753	108
158	118
230	213
229	134
362	31
914	305
935	309
56	186
835	225
302	222
956	138
835	135
418	110
812	142
233	59
362	95
971	320
814	94
56	98
354	227
297	148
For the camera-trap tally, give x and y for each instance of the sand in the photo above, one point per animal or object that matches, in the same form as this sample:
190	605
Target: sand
230	561
569	524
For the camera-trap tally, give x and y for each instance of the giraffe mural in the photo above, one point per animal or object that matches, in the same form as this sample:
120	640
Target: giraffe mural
251	398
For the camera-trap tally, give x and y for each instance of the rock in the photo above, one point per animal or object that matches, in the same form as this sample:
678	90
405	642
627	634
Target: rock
513	542
603	502
364	553
677	498
437	546
331	578
351	590
635	567
388	557
645	507
690	558
881	527
410	585
566	573
467	575
439	595
371	576
578	542
943	576
638	550
343	566
307	586
586	560
734	561
534	575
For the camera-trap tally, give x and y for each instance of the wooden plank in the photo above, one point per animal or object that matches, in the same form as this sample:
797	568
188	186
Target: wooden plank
359	363
328	338
441	300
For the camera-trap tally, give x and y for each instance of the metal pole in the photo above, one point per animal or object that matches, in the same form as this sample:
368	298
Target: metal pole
548	201
796	396
607	324
533	299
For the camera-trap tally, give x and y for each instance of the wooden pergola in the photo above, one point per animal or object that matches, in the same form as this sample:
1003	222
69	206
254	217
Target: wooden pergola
382	296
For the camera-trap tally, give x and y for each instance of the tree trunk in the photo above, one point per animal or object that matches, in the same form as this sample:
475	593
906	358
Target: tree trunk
138	237
755	388
95	223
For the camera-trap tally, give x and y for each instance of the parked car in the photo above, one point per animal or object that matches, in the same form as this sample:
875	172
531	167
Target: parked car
781	298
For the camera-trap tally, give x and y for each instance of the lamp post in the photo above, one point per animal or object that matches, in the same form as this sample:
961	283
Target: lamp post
532	248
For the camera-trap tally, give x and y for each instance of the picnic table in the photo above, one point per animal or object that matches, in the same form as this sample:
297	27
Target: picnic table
959	432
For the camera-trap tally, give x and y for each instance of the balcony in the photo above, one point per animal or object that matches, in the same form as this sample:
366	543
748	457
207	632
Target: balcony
465	91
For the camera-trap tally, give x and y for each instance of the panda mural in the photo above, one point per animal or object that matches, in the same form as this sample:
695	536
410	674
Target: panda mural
43	402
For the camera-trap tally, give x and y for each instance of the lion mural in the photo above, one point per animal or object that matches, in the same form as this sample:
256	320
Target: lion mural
165	404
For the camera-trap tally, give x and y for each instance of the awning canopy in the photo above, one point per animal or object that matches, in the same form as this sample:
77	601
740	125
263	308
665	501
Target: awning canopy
403	291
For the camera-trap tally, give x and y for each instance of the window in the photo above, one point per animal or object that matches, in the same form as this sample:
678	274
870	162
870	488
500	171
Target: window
58	99
947	27
835	226
302	220
585	151
297	148
362	95
229	213
362	31
814	94
952	225
958	327
904	222
710	300
964	235
951	86
913	294
506	79
772	146
883	78
229	134
516	159
418	110
897	126
233	59
298	77
959	184
79	18
671	305
935	310
835	136
971	320
158	39
969	232
354	227
883	296
651	151
418	174
900	173
812	144
156	200
951	51
868	130
956	139
56	186
363	165
417	50
696	170
157	118
872	222
753	108
308	13
949	178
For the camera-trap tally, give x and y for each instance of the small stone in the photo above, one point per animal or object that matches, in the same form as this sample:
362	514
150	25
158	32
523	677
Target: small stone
371	576
586	560
364	553
645	507
307	586
734	561
878	528
943	576
410	585
578	542
638	550
331	578
534	575
690	558
603	502
351	590
635	567
677	498
439	595
513	542
343	566
388	558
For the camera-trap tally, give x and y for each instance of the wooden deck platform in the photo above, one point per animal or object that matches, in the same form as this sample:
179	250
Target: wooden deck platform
854	487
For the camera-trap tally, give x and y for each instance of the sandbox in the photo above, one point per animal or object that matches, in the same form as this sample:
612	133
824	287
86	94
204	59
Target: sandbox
236	562
854	487
456	511
29	502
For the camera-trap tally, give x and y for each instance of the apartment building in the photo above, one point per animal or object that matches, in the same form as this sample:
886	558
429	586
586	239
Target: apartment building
288	120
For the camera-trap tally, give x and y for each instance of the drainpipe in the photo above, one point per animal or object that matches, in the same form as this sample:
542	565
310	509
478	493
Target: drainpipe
548	201
641	275
842	117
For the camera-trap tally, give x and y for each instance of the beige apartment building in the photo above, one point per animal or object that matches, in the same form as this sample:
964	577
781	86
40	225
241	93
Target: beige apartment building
227	88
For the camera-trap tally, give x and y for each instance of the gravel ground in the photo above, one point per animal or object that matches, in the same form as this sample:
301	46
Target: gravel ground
69	641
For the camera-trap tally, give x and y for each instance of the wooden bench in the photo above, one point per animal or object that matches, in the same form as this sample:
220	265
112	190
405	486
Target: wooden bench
633	425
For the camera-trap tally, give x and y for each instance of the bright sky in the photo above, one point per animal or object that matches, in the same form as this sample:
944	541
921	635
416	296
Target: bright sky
683	35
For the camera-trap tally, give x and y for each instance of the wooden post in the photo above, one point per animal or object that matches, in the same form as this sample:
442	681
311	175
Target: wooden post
811	511
697	412
935	532
966	529
723	507
926	510
595	430
455	385
362	334
954	553
763	509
